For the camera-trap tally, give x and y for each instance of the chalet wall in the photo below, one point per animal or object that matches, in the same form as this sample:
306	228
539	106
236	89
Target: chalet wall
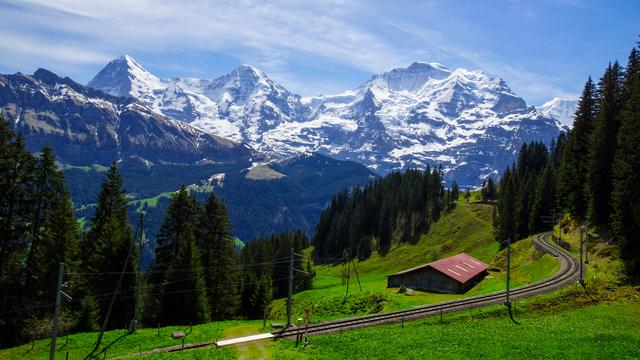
429	279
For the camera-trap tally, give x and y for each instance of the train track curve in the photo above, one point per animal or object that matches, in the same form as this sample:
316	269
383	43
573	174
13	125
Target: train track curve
568	273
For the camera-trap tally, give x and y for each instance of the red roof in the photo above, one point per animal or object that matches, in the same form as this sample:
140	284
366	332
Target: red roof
461	267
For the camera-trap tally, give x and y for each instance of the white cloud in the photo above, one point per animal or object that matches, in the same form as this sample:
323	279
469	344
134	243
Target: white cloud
269	35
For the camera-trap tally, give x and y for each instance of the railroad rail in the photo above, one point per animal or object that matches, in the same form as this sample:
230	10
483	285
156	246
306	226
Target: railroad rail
567	274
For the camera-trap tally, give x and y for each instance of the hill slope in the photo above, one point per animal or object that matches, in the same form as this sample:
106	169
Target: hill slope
467	229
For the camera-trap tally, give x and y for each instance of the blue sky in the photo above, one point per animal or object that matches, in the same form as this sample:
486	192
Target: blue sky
542	49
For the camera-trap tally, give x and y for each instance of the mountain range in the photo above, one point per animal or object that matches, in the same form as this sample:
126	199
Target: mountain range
89	129
274	156
426	114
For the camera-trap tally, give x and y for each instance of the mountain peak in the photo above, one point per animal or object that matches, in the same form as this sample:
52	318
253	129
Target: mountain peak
560	109
249	68
124	76
412	77
425	66
46	76
249	74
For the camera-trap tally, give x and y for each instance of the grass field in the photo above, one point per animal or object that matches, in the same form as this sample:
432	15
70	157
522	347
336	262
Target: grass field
595	332
118	343
467	229
552	319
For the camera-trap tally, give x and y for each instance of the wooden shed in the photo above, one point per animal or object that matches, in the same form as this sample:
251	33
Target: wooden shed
455	274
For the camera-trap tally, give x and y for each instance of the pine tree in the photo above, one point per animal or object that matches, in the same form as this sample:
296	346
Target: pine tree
108	242
179	293
504	222
54	234
573	167
626	171
16	195
355	232
544	200
222	270
384	229
261	298
603	146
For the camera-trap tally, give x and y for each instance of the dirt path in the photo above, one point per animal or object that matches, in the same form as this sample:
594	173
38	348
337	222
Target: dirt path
253	350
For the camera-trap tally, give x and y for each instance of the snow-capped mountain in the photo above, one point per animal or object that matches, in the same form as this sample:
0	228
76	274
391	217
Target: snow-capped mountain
86	126
560	109
426	114
239	106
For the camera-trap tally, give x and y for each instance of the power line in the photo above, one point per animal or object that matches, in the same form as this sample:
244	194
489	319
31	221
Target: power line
238	267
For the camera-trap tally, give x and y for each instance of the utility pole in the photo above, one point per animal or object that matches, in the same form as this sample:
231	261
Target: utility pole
348	277
113	297
581	266
136	312
356	271
508	271
56	313
508	302
586	247
290	292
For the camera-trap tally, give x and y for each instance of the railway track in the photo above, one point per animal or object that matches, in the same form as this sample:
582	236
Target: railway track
567	274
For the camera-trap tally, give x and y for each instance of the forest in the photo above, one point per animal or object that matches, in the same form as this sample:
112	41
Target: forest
395	209
197	274
591	174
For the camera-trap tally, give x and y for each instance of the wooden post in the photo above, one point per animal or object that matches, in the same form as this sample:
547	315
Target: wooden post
56	313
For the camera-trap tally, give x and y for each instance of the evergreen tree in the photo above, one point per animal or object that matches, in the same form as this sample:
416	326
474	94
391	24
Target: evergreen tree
108	242
626	171
16	195
504	222
222	270
355	232
54	234
603	146
573	167
179	293
261	297
544	200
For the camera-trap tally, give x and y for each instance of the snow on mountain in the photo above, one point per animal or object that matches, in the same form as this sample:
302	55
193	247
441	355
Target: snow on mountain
560	109
467	121
239	106
86	126
426	114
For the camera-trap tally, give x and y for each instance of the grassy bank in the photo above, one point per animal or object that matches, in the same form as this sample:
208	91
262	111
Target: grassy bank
594	332
467	229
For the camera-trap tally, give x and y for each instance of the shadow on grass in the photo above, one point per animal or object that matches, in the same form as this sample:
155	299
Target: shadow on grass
95	355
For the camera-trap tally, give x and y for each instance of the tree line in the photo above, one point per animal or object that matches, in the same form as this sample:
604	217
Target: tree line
592	172
197	274
396	208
